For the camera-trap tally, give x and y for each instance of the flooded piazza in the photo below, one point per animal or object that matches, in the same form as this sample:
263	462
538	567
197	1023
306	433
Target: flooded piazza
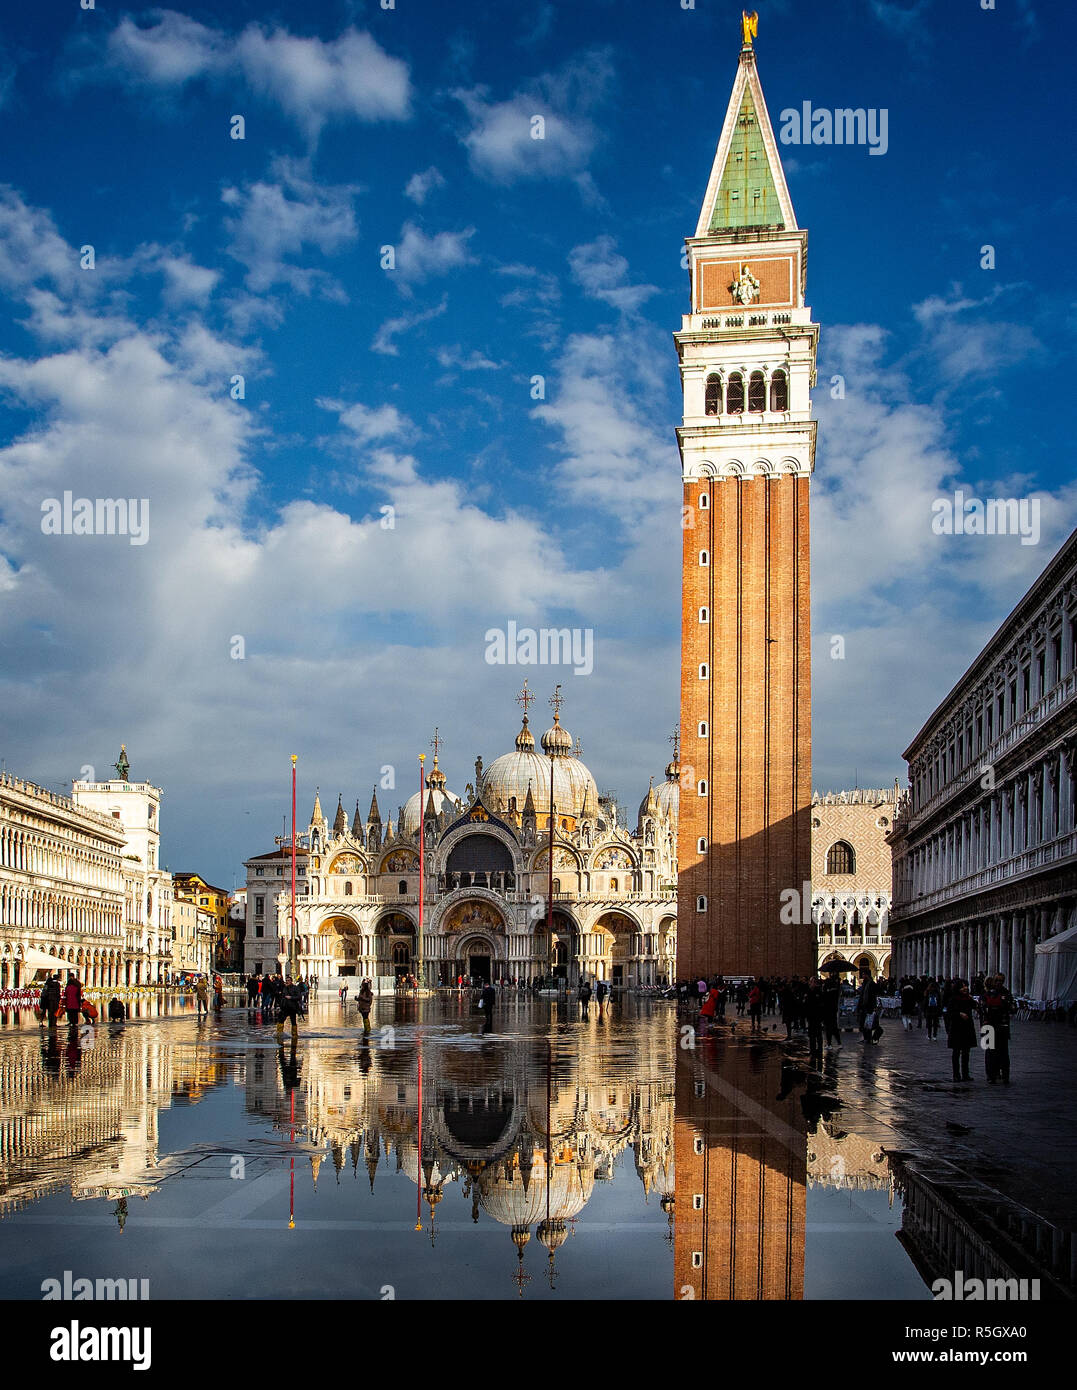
556	1158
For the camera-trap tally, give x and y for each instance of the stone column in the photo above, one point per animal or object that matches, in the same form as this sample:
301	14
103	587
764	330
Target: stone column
1004	949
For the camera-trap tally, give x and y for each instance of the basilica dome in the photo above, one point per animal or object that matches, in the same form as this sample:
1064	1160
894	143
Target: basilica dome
438	798
509	777
663	802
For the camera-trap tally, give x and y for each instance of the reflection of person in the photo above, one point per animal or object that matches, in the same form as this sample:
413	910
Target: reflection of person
289	1067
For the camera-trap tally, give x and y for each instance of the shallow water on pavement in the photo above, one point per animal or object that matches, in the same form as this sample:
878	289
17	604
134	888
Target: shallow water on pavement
556	1158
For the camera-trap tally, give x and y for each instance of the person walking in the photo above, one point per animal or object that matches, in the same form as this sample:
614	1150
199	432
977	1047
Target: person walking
602	989
73	998
201	991
932	1008
487	1000
814	1013
961	1031
755	1006
218	994
365	1002
996	1007
585	998
867	1005
908	1004
789	1007
343	993
50	999
707	1012
831	993
291	1001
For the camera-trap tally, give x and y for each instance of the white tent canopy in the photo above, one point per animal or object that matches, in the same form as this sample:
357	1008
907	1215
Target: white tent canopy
37	960
1055	976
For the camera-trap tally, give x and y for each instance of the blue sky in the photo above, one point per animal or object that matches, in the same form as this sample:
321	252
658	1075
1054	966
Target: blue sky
412	388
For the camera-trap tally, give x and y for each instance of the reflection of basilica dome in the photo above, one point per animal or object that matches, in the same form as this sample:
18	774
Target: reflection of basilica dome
504	1196
438	798
574	790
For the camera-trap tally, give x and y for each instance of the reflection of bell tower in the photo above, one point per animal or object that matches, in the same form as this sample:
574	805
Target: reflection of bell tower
741	1186
747	360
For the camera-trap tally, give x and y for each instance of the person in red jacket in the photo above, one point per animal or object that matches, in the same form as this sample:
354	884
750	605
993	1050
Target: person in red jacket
73	998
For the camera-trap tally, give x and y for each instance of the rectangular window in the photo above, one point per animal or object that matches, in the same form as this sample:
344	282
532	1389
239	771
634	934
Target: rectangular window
1026	684
1056	660
260	904
1041	675
259	929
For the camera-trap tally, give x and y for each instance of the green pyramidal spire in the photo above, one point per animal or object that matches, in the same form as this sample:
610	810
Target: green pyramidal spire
747	196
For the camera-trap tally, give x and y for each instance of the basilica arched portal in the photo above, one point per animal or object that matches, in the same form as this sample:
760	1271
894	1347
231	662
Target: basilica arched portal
474	939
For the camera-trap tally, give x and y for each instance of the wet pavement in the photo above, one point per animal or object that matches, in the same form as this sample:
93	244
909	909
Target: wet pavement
557	1158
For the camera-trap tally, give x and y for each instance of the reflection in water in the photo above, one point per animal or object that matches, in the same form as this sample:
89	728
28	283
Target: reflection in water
741	1175
474	1160
521	1128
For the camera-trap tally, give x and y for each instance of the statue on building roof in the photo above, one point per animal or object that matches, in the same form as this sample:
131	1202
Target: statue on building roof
122	766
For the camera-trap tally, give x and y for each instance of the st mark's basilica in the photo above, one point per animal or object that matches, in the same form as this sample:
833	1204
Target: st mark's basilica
486	878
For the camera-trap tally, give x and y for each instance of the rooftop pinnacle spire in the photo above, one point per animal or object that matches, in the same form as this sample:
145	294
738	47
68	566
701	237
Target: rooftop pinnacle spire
747	186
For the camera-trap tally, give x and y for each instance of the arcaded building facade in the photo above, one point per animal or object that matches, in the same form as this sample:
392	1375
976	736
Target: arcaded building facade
852	875
985	843
486	879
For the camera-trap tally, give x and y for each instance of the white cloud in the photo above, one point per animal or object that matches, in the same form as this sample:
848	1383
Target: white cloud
385	338
964	348
187	282
600	271
366	423
313	81
502	139
474	361
612	410
419	187
278	220
420	257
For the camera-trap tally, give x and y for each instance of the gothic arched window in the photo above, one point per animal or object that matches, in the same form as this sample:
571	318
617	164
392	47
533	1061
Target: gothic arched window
779	391
348	889
402	886
613	885
734	401
757	392
840	858
714	395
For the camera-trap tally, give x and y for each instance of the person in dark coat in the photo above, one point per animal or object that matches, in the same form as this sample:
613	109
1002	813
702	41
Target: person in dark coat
831	993
50	999
996	1007
814	1008
961	1031
932	1007
487	1000
116	1011
291	1001
365	1002
867	1005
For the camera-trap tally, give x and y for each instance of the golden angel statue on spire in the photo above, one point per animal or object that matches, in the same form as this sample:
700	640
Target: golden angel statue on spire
749	26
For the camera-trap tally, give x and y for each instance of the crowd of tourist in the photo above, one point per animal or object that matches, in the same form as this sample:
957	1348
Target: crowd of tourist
965	1014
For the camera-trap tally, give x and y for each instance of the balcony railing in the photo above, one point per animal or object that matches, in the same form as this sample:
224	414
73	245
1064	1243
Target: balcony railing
1058	696
1027	862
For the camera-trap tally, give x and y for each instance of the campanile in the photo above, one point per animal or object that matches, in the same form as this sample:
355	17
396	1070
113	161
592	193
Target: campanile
747	443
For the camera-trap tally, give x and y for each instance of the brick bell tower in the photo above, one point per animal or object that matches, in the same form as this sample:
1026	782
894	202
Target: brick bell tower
747	359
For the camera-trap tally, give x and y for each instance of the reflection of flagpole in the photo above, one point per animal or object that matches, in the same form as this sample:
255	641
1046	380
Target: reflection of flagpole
291	1169
419	1173
422	839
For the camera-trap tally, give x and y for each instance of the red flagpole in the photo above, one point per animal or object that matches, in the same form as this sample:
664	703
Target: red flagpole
291	943
422	840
